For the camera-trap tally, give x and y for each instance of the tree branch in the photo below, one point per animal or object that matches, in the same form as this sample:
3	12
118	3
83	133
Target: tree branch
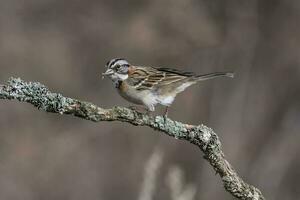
203	137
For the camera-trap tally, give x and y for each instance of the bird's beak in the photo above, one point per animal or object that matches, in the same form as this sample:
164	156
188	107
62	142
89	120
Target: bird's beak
107	73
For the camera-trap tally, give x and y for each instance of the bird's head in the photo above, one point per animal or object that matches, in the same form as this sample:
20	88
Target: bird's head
117	69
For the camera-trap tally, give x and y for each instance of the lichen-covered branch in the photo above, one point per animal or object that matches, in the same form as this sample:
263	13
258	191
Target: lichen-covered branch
203	137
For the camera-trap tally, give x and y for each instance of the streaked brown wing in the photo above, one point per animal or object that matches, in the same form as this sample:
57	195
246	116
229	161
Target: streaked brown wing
146	78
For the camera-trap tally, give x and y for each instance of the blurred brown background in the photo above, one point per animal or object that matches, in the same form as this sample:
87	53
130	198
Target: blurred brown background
65	45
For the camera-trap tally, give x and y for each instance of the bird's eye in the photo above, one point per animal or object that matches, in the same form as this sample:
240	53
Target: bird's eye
123	69
116	67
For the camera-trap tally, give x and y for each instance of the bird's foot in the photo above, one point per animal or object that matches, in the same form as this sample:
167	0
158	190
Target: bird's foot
165	118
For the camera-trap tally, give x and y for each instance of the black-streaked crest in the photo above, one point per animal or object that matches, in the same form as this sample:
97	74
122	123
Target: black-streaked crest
116	62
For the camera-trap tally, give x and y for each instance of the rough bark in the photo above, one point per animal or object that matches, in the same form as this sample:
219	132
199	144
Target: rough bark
200	135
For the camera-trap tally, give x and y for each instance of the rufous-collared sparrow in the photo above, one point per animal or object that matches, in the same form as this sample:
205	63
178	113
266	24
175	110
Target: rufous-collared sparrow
150	86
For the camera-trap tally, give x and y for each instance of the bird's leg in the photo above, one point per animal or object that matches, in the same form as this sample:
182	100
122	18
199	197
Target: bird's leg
148	112
166	113
150	108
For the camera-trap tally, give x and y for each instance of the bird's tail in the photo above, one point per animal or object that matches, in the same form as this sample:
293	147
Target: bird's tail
204	77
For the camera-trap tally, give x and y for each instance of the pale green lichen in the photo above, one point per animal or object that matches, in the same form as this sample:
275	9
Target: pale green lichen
36	94
172	128
205	138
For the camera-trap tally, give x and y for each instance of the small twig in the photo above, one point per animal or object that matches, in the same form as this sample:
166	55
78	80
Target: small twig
203	137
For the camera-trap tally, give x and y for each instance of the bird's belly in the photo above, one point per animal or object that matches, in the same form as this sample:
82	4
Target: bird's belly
131	96
146	98
142	97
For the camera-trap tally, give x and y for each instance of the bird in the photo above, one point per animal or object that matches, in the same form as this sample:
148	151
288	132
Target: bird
149	86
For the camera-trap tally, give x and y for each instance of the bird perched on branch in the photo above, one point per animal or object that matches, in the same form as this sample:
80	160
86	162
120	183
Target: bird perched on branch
150	86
